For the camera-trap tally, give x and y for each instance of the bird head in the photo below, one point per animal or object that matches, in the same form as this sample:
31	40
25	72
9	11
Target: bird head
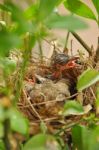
63	61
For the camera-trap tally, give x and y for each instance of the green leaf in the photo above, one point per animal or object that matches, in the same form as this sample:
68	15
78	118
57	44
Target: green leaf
65	22
72	108
2	146
31	12
84	138
46	7
7	65
96	4
80	137
10	65
59	2
18	122
18	17
8	41
87	78
2	113
4	7
94	139
42	142
79	8
1	130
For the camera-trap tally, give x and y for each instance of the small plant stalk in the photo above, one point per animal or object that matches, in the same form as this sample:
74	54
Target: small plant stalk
6	134
26	57
66	42
40	49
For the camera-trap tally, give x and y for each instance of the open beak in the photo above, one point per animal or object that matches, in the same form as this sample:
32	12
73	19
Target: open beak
73	63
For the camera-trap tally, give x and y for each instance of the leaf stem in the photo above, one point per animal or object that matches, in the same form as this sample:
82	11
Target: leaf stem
67	38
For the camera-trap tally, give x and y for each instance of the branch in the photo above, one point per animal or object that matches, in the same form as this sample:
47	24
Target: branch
97	53
82	43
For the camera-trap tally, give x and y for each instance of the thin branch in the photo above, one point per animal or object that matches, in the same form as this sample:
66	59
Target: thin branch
68	126
45	120
34	110
82	43
97	52
46	102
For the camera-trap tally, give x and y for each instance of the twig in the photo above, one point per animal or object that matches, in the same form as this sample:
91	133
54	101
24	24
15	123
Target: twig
45	120
82	43
28	100
70	125
34	109
92	93
42	103
96	59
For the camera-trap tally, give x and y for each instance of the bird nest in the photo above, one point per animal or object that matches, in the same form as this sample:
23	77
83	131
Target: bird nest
42	99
